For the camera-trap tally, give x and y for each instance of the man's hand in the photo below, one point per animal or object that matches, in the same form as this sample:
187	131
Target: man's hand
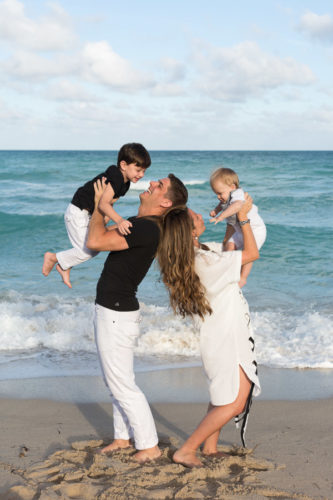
99	187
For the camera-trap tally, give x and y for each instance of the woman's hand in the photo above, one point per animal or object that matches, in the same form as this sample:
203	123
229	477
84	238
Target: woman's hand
99	187
246	207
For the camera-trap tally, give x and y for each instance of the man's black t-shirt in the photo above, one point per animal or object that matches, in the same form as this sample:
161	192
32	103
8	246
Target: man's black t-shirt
84	196
125	269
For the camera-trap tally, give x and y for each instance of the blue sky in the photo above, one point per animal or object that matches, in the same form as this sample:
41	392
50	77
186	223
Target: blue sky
170	74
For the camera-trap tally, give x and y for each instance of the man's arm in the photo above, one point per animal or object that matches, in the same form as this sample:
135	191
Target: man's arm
100	238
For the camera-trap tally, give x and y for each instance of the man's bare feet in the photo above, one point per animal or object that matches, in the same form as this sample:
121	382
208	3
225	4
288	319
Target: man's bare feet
64	275
50	260
147	455
117	444
187	458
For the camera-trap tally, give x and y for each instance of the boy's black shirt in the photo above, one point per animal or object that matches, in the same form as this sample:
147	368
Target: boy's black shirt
84	196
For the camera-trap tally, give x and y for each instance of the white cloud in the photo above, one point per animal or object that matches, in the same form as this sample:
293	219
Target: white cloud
88	112
167	90
324	115
34	67
50	32
174	70
9	115
103	65
66	90
319	27
237	73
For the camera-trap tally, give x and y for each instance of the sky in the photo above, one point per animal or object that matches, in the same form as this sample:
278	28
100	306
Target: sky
171	74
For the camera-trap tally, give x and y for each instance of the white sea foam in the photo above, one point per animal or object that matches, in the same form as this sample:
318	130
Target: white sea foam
62	329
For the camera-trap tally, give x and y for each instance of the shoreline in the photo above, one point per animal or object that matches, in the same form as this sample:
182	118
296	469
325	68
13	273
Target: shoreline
51	426
48	452
172	385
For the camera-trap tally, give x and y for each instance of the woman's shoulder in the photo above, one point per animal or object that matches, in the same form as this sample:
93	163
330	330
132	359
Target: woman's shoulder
212	252
213	246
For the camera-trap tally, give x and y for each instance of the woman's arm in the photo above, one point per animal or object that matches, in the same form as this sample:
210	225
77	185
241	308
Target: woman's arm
250	250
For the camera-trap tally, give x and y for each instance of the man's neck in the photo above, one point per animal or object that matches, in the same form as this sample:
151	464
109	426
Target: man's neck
145	212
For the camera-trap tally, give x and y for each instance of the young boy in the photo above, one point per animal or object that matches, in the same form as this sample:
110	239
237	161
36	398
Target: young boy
225	184
133	160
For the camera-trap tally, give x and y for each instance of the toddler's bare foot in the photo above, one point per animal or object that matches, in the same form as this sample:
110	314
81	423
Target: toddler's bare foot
117	444
187	458
147	455
242	282
50	260
64	275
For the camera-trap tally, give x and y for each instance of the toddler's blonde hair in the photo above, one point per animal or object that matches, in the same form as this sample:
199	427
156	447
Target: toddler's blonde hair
225	175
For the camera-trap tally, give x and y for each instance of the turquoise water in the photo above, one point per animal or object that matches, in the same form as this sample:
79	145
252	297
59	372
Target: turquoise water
44	324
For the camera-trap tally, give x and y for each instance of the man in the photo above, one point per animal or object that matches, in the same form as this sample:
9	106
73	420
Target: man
117	310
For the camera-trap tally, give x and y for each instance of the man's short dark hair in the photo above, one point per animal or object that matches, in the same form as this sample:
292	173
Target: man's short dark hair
177	192
133	152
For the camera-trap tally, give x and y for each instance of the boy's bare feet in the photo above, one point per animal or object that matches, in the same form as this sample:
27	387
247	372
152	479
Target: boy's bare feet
50	260
187	458
117	444
64	275
148	454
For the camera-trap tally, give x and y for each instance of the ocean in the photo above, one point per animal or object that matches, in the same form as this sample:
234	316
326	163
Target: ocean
46	329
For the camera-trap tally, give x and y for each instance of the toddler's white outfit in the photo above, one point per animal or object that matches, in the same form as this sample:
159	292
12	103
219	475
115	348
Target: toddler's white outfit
257	224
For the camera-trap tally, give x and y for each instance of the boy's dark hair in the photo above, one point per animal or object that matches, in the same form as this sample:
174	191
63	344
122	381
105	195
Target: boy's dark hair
177	192
133	152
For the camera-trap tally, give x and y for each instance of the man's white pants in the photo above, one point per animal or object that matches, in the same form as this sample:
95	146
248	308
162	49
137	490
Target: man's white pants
77	225
115	335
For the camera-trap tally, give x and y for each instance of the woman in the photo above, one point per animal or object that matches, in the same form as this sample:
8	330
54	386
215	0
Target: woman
226	340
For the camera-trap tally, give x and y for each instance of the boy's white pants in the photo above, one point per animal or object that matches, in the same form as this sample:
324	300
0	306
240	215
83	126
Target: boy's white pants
115	334
77	224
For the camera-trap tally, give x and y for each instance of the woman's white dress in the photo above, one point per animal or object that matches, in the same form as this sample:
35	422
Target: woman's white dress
226	336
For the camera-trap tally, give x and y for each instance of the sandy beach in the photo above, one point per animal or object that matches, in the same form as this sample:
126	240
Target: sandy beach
48	450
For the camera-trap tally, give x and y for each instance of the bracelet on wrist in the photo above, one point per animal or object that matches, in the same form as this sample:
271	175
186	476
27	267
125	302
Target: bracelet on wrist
243	222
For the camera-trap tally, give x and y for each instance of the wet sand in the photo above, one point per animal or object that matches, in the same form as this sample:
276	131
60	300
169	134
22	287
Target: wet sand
48	451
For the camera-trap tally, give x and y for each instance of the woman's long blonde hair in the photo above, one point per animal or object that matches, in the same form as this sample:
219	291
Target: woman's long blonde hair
175	256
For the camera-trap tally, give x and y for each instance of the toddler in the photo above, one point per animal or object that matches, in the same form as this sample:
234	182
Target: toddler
225	184
133	159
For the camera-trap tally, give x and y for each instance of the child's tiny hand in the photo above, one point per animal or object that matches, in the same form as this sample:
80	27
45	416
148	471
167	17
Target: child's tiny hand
213	213
123	226
216	220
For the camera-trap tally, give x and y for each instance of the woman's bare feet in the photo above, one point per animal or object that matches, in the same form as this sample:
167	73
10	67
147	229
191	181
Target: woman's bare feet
64	275
147	455
117	444
216	454
187	458
50	260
